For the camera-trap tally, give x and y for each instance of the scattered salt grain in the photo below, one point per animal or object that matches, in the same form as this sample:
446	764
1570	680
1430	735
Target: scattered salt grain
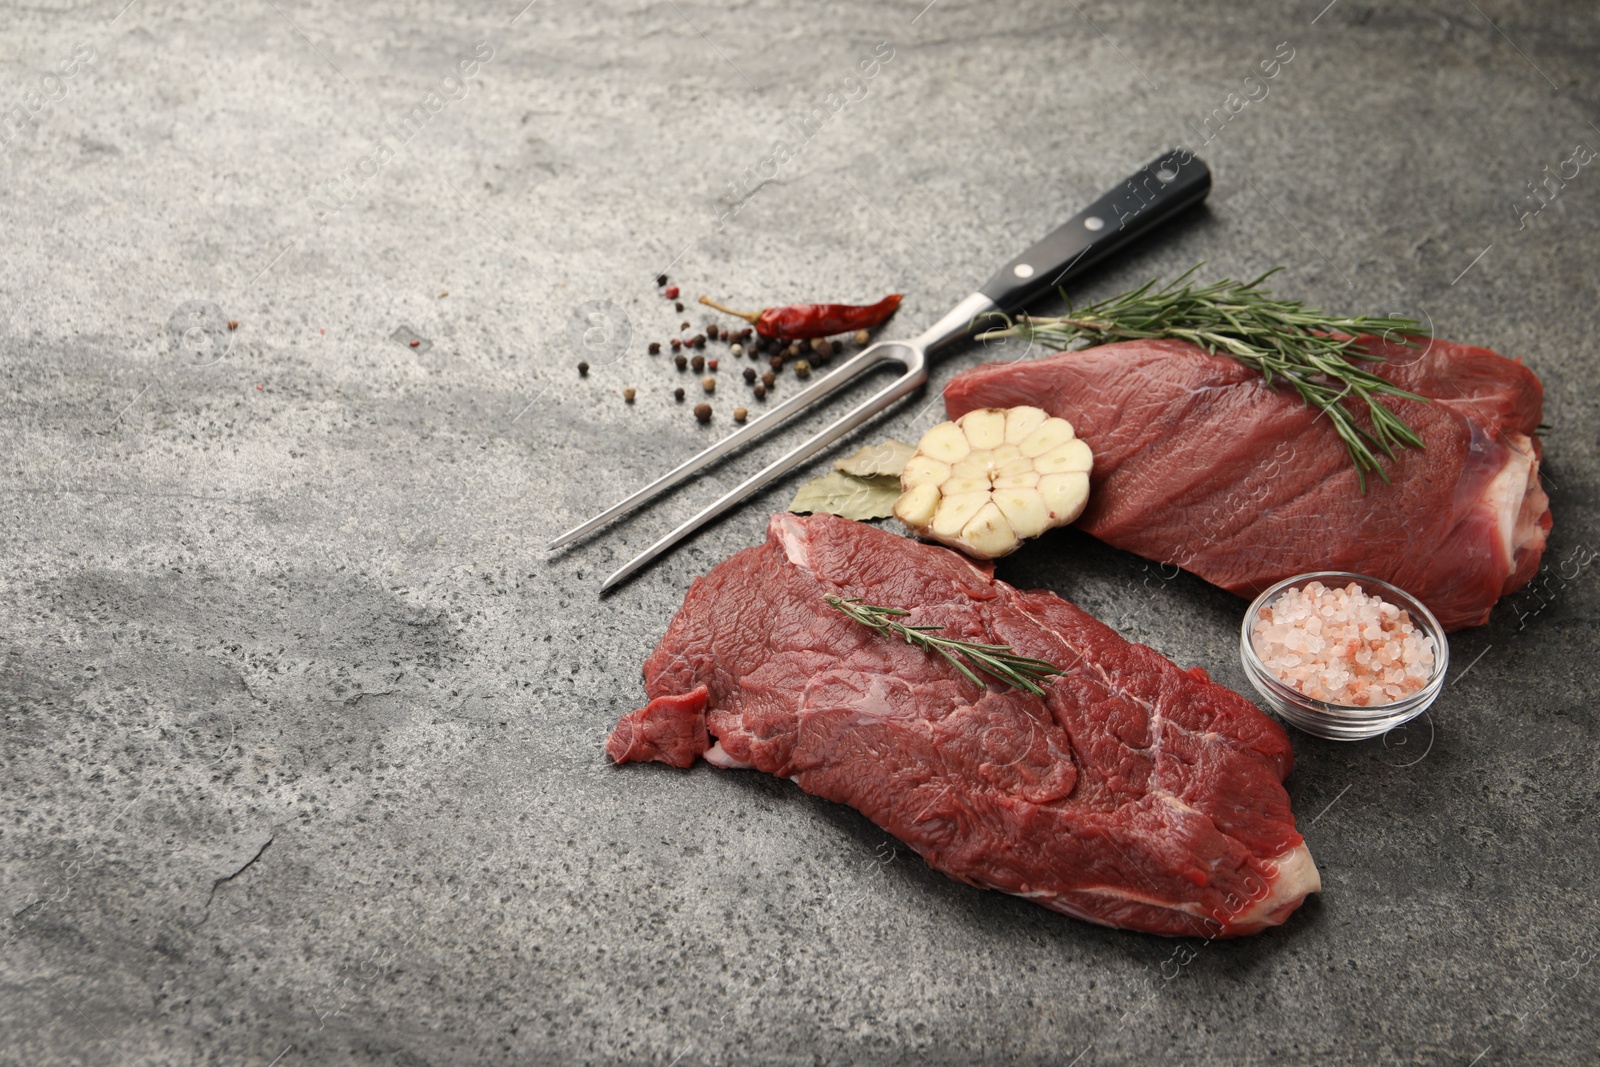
1343	646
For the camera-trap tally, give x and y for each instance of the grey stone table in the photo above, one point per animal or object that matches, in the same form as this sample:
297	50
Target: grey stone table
302	728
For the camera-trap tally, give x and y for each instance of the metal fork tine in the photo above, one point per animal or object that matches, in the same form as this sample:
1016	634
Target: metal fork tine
866	359
916	374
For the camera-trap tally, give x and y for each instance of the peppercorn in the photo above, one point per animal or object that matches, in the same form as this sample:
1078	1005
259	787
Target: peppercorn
862	337
761	392
661	279
655	348
776	362
676	344
736	348
583	370
768	379
678	306
672	292
233	324
627	394
819	344
836	345
698	340
749	374
698	363
677	394
680	361
740	414
744	334
711	331
709	384
802	369
702	412
683	325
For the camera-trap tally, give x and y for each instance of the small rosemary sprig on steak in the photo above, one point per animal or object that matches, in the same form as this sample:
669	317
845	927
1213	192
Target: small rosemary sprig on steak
1023	672
1309	349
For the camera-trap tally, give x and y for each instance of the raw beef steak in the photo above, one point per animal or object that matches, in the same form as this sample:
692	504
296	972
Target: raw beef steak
1133	794
1198	463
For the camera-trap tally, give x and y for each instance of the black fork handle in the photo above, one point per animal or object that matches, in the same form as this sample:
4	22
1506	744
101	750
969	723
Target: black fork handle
1153	194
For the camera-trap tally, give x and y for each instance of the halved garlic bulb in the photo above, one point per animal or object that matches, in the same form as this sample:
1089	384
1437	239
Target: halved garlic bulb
994	477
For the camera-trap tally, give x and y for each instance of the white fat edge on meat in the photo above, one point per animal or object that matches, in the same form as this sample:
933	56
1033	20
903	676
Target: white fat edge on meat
718	756
792	536
1297	878
1506	494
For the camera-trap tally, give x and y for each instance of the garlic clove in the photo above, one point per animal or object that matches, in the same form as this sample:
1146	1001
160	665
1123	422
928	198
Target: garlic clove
985	428
1022	421
924	470
954	512
974	466
1027	479
917	505
1052	433
945	443
959	485
1003	454
1072	456
1024	509
1065	495
988	532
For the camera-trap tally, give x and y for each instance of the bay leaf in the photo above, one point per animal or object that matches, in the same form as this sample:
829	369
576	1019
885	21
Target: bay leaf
847	496
886	458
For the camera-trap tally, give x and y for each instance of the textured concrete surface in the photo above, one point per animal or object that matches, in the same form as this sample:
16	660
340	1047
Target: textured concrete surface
302	729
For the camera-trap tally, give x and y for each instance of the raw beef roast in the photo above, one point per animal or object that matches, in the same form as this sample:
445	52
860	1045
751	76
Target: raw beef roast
1198	463
1132	794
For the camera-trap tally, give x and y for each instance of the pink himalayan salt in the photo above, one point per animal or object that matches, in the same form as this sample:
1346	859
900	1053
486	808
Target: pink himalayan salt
1343	646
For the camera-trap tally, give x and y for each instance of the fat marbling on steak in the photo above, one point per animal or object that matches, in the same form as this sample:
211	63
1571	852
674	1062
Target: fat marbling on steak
1199	463
1133	794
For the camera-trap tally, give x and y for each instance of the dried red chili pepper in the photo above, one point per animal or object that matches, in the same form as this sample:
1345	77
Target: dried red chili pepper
806	321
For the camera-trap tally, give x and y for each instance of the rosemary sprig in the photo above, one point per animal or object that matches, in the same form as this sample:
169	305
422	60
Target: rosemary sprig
1309	349
1023	672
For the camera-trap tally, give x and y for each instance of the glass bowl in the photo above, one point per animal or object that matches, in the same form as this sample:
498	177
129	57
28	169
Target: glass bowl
1343	722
